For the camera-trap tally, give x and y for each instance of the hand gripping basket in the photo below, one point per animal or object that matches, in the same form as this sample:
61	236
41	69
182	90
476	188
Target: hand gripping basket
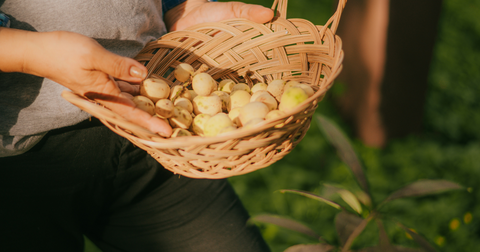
293	49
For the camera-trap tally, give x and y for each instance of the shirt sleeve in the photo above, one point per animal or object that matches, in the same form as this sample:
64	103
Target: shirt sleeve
4	20
169	4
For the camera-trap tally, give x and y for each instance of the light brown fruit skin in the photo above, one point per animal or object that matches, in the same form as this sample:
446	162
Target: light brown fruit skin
198	124
203	84
234	115
184	103
226	85
252	123
216	124
241	86
144	103
257	94
211	105
183	72
291	84
258	87
183	92
253	110
267	99
227	130
307	88
275	88
179	132
238	99
192	94
164	108
181	118
225	98
155	89
291	98
274	114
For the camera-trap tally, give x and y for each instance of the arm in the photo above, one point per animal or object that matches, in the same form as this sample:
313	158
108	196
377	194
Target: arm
80	64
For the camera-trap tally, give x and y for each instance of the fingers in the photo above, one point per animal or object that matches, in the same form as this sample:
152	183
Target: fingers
196	12
125	107
122	104
255	13
119	67
129	88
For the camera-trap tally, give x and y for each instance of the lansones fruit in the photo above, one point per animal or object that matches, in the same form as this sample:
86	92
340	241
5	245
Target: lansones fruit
183	71
198	124
164	108
234	115
253	110
155	89
184	103
179	132
211	105
258	87
216	124
179	91
226	85
267	99
238	99
241	86
274	114
144	103
181	118
275	88
291	98
225	98
307	88
203	84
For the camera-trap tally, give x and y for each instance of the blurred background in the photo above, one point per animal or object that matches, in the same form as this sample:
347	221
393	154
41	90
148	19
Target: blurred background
409	101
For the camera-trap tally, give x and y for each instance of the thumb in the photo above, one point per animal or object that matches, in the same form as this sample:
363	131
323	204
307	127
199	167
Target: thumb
253	12
119	67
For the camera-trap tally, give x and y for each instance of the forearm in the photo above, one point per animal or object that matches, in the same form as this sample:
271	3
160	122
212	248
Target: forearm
14	46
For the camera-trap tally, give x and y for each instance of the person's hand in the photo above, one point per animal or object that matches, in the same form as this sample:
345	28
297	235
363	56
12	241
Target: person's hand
85	67
193	12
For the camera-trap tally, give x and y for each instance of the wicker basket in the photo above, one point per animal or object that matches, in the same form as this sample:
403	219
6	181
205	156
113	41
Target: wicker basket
293	49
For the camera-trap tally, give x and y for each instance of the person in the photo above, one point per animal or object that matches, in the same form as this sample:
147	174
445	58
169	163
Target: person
65	176
388	50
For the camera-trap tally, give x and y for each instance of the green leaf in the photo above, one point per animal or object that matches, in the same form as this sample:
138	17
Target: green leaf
423	188
351	200
313	196
286	223
345	150
310	248
347	196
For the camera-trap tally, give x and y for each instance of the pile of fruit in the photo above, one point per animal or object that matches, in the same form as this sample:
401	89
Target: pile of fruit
203	107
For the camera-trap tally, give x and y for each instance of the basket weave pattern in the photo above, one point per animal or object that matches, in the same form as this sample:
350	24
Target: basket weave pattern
238	49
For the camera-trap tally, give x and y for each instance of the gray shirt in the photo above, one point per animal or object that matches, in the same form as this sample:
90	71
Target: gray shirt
30	106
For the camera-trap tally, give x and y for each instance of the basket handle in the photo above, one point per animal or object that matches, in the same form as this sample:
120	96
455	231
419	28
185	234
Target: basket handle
281	7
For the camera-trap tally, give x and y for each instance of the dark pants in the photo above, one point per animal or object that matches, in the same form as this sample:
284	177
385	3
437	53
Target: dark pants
86	180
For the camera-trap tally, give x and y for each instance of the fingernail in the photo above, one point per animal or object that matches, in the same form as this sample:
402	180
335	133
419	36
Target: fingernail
137	72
